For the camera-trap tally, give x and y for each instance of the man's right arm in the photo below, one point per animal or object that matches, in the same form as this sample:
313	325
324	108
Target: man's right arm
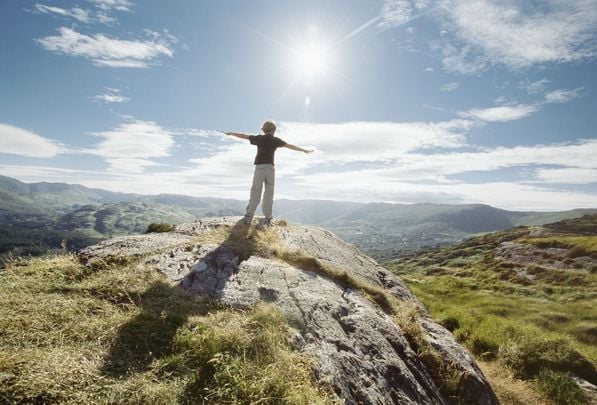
238	135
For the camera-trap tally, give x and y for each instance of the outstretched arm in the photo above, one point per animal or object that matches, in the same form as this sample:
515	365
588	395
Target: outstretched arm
238	135
294	147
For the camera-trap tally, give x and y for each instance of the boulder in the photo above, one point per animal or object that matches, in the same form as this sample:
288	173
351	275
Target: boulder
361	351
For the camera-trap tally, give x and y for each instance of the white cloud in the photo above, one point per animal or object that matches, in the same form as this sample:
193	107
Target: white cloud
508	195
535	87
513	111
110	98
106	51
568	175
562	96
395	12
204	133
120	5
339	170
502	113
431	166
515	34
335	144
448	87
77	13
375	141
19	141
130	146
459	59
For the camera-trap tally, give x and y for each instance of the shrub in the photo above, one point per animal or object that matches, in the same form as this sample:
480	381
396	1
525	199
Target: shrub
451	323
535	269
159	227
529	358
585	333
578	251
560	388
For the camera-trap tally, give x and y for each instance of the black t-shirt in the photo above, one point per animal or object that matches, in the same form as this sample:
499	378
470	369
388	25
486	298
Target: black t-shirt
266	146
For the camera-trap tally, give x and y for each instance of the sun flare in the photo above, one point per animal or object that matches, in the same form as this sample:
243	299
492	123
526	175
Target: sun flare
312	60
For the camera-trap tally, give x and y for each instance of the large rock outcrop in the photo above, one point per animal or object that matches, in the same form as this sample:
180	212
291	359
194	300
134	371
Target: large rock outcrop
362	353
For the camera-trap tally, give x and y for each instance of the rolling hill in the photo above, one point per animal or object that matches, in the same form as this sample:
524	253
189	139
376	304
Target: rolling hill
39	216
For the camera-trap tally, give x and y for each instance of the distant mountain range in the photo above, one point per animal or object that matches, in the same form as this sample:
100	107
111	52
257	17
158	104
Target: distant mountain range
35	217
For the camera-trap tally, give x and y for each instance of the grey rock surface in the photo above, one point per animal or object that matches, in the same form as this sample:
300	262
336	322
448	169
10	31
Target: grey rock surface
134	246
361	352
522	255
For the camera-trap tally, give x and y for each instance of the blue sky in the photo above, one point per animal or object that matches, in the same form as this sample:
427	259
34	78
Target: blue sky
442	101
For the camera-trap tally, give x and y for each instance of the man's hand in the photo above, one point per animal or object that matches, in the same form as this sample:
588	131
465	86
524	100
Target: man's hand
307	151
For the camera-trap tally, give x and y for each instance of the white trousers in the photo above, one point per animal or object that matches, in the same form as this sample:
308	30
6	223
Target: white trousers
264	174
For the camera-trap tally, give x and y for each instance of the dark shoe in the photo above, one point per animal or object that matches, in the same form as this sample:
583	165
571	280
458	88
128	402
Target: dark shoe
265	223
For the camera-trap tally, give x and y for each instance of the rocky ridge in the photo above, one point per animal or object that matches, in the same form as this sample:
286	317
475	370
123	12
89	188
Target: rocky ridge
361	351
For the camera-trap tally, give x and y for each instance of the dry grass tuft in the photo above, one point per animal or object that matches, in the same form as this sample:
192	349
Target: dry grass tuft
71	334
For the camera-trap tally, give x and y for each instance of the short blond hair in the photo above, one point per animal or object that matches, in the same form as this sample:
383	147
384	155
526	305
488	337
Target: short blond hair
269	127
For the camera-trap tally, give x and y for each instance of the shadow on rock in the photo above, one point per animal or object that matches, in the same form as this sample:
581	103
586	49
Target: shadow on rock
208	276
149	335
165	308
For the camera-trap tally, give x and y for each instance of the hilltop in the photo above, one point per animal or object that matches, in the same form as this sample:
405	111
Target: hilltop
217	311
524	299
39	216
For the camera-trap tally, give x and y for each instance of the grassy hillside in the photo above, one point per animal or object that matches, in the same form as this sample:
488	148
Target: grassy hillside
34	232
57	196
121	335
524	299
38	216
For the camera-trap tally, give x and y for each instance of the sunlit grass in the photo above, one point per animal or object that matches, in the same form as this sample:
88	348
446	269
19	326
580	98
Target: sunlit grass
578	245
120	334
541	330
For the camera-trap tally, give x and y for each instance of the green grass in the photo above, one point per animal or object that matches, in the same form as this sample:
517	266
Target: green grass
577	245
71	334
542	330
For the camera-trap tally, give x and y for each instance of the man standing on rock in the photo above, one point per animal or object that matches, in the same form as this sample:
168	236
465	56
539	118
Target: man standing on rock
264	169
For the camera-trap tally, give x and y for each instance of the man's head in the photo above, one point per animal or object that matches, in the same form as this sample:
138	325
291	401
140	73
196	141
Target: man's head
269	127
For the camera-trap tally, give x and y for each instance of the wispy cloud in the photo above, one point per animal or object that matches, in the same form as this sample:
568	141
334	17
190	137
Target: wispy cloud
535	87
567	175
505	194
395	12
562	96
101	13
502	113
22	142
514	34
120	5
130	146
113	52
516	111
112	96
459	58
77	13
343	168
448	87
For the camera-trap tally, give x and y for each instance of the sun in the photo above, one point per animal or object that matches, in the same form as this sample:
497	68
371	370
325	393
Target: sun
312	60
